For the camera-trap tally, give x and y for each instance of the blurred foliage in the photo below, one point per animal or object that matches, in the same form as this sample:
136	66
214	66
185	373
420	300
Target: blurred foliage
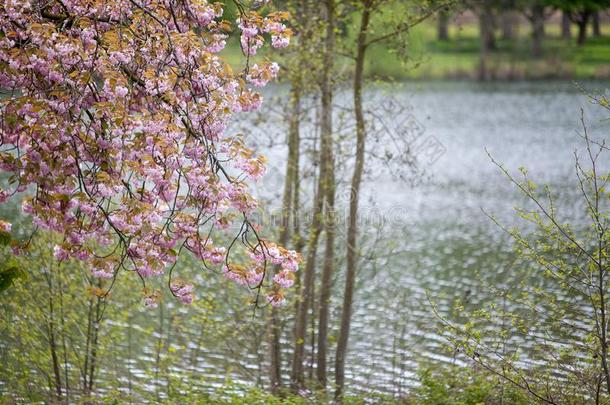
56	323
557	312
453	385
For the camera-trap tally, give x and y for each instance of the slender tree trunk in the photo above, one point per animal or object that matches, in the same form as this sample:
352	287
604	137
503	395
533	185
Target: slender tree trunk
597	32
490	33
297	375
87	347
130	356
509	25
566	25
63	339
352	231
275	374
168	381
582	22
329	262
52	338
537	28
158	351
484	33
329	191
94	342
443	26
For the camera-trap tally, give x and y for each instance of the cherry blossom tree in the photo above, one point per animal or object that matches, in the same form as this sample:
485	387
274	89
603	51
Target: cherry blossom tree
114	127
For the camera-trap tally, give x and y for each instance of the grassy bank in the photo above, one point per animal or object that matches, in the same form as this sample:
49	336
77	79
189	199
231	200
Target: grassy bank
459	56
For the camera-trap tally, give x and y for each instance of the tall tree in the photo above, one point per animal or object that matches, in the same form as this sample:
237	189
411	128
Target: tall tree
566	25
580	13
329	188
326	156
300	65
485	14
287	211
443	25
597	30
329	218
536	11
367	10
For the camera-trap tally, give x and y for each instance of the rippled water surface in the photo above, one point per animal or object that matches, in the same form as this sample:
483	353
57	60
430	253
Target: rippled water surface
443	245
429	240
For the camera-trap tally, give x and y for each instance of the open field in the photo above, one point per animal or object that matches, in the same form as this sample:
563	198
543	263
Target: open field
459	56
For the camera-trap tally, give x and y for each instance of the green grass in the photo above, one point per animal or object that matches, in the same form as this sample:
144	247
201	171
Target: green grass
458	57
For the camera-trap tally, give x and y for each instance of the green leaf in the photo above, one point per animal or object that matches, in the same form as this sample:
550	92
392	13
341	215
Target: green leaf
9	273
5	238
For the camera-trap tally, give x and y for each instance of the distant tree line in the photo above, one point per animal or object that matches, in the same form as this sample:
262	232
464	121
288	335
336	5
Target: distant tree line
504	16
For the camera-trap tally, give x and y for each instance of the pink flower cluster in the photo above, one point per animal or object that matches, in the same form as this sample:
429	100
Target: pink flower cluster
117	122
183	291
253	275
261	75
5	226
253	26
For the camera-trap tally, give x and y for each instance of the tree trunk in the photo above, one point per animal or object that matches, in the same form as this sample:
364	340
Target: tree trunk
275	374
566	25
329	254
296	375
582	22
63	339
509	25
443	26
95	343
537	28
329	192
490	33
53	347
87	347
484	33
352	230
158	352
597	32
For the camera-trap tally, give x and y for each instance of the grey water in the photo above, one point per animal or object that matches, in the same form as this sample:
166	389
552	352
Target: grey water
433	242
425	233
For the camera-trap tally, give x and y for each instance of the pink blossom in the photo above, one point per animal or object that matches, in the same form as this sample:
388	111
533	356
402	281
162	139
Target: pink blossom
284	278
276	299
184	292
60	253
150	302
137	174
5	226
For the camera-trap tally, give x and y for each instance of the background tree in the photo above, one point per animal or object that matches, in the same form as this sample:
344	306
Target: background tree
566	25
580	13
300	64
536	12
597	32
443	25
323	190
369	34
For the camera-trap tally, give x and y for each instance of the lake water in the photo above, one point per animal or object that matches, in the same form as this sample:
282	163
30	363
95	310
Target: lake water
434	239
428	238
